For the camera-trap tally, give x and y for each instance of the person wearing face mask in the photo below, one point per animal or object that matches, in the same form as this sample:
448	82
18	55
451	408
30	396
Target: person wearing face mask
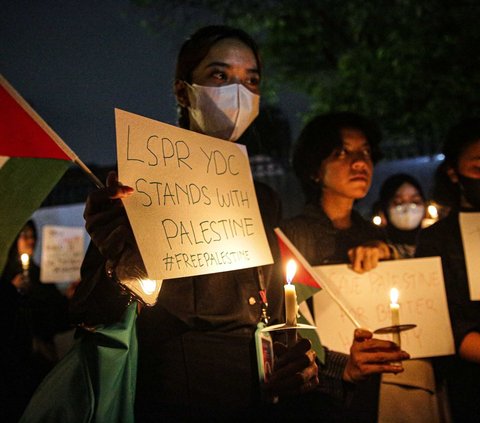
461	171
196	350
414	395
403	204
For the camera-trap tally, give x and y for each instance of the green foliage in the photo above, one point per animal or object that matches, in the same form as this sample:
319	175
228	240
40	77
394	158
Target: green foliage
411	64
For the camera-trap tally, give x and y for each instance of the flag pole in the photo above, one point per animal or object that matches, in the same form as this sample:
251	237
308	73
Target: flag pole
55	137
89	173
322	282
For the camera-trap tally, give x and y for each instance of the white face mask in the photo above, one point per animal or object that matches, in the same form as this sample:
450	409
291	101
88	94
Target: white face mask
406	216
223	112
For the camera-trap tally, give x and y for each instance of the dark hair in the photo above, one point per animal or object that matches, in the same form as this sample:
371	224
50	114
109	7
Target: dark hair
197	46
459	137
391	185
13	251
320	137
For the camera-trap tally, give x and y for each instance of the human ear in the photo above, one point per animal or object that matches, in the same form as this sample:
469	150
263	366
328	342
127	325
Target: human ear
181	94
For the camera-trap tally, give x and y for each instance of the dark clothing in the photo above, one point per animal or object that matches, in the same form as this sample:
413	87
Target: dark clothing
314	235
444	239
405	241
28	323
196	350
195	344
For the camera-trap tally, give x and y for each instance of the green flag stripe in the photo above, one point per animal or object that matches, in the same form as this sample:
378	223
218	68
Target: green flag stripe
24	184
304	292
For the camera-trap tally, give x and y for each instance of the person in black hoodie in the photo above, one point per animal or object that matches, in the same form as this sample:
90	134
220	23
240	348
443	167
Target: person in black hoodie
403	204
30	316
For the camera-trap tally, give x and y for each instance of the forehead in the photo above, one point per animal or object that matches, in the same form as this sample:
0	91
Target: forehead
231	52
406	189
352	136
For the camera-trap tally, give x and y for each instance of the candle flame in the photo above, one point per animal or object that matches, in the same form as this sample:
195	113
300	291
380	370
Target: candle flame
432	211
291	270
394	296
25	259
148	286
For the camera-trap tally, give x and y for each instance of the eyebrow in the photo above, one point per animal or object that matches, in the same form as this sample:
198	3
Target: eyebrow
226	65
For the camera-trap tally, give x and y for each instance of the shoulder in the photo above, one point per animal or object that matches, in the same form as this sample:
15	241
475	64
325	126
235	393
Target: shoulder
366	228
296	224
442	228
435	238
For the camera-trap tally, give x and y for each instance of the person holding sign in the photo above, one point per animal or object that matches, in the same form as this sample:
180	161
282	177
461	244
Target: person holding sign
460	174
333	160
196	347
415	395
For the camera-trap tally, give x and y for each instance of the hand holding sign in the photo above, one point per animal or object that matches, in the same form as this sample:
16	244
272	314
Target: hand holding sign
194	208
420	283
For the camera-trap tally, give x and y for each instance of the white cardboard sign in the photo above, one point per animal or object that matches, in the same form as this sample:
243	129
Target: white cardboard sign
194	210
62	253
422	302
470	230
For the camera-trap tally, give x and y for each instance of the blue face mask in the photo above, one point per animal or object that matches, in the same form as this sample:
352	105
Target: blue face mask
470	188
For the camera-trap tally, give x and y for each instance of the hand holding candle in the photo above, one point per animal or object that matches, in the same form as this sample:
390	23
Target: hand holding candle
395	311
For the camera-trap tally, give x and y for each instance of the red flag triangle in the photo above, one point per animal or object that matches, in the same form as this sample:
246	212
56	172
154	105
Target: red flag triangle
305	275
23	133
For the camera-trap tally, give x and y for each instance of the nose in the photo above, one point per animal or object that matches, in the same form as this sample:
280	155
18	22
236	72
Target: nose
235	79
359	160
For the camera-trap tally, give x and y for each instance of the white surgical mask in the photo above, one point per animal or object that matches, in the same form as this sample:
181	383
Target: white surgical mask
406	216
223	112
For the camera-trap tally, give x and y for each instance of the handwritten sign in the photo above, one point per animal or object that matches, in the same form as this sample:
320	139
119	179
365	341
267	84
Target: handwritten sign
194	210
62	253
422	302
470	230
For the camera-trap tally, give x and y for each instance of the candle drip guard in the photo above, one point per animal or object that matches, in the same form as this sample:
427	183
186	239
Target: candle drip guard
394	329
284	326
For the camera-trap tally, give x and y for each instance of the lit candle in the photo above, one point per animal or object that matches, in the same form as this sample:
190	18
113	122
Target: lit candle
291	306
25	258
395	311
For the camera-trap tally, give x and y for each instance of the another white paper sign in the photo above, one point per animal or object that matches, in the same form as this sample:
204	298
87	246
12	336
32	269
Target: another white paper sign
422	302
194	210
62	253
470	229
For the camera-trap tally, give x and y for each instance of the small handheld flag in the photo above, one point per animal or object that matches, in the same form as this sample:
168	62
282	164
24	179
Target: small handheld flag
33	158
310	279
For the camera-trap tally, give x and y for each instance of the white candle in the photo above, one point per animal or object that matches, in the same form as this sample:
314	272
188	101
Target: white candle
291	307
25	261
395	312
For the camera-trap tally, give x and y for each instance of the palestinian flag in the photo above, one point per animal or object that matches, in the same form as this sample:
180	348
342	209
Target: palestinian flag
306	285
309	281
32	160
306	282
